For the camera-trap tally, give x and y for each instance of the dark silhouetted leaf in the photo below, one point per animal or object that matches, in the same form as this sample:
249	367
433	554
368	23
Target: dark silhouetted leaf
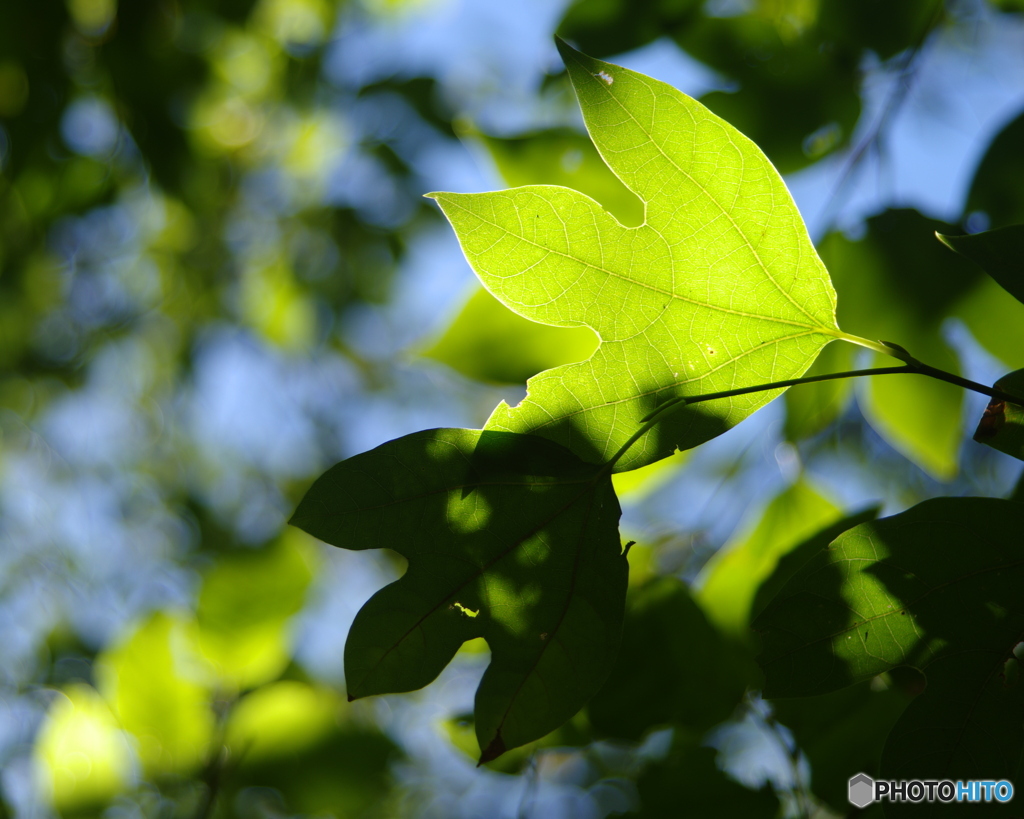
701	676
509	537
1000	253
687	782
996	187
937	588
842	731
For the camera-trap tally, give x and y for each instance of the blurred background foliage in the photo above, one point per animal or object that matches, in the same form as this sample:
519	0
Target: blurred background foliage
218	277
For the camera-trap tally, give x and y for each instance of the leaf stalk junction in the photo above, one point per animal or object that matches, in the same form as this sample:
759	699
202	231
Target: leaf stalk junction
910	366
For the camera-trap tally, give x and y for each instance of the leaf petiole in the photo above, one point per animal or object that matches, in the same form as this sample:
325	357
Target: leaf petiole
911	366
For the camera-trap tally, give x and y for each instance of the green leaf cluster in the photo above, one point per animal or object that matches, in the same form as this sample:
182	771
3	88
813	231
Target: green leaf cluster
705	307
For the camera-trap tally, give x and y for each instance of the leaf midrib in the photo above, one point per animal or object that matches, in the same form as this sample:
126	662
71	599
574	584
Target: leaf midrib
815	326
905	607
516	543
567	600
705	191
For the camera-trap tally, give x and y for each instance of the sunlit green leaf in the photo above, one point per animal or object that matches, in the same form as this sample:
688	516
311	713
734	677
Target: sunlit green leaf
790	562
509	538
160	691
83	756
489	342
245	603
729	582
719	287
567	159
299	740
936	588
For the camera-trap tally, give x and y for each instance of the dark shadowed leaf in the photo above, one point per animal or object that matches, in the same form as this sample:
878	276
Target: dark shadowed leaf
687	782
1000	253
996	187
510	538
936	588
701	676
842	732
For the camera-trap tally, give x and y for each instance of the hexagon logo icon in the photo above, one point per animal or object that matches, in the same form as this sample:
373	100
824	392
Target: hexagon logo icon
862	790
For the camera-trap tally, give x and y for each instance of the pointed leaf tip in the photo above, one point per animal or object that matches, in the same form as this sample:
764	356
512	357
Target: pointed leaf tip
997	252
756	302
495	749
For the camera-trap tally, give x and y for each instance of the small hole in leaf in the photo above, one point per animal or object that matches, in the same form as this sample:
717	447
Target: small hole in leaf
467	611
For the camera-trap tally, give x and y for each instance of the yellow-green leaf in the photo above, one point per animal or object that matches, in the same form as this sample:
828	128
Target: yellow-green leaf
159	689
83	756
730	580
720	286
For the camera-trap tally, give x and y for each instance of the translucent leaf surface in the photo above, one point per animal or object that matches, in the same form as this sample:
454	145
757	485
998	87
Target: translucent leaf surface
489	342
508	537
160	693
720	287
937	588
83	757
570	160
900	285
246	601
730	580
